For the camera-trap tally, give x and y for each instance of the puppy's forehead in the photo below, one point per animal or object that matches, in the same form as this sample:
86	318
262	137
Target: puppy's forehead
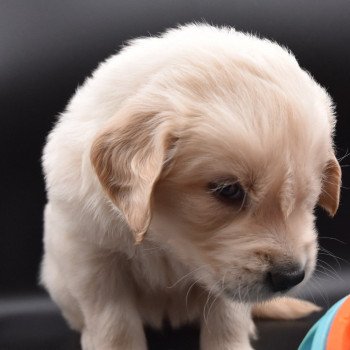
269	130
251	115
275	141
269	103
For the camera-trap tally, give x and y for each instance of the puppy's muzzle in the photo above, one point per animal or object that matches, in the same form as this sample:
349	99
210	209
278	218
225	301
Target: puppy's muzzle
283	278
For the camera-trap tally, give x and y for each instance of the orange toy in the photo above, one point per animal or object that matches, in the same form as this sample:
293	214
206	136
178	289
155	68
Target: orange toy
339	334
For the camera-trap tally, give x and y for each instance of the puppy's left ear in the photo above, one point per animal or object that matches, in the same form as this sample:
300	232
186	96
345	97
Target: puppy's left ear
331	182
128	156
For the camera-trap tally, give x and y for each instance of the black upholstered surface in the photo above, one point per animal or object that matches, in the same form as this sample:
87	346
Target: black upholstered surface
32	322
46	50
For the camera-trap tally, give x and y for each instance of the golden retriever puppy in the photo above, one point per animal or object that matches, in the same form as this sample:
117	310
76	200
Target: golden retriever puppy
182	180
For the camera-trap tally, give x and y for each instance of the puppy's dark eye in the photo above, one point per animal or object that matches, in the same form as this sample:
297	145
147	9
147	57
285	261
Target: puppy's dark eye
229	192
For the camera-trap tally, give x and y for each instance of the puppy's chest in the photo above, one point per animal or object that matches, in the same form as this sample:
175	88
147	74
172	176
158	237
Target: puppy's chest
163	293
178	306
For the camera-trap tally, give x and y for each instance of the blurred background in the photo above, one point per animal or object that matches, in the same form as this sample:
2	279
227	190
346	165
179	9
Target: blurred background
48	48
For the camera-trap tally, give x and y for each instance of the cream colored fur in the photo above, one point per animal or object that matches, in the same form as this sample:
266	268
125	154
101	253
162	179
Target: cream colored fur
132	233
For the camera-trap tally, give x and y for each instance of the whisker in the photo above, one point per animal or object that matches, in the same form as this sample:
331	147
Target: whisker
324	191
218	294
330	269
316	280
325	274
211	305
335	257
206	303
333	238
185	276
239	292
310	293
347	153
335	184
189	290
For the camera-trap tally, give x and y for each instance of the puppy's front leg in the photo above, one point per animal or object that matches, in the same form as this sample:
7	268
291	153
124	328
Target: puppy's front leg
107	301
113	325
227	327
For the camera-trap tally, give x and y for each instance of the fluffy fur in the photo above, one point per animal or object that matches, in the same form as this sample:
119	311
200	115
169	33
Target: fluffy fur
134	235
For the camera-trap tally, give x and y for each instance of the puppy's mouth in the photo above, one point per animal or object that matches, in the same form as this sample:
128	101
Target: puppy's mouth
249	293
275	282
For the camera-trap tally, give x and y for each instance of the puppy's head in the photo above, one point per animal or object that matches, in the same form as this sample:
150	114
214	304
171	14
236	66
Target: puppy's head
223	161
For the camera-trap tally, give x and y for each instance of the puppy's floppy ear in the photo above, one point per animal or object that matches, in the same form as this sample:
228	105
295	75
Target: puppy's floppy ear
331	182
128	157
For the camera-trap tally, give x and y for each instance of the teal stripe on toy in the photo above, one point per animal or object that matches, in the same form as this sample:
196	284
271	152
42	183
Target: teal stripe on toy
316	338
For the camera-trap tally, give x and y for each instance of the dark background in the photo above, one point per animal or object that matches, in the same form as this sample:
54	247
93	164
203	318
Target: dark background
47	48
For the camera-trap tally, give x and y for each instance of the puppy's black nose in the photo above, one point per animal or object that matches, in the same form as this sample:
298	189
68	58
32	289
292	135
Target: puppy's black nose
284	278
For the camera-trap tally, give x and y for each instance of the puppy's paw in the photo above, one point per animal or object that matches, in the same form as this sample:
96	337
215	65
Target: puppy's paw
284	309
